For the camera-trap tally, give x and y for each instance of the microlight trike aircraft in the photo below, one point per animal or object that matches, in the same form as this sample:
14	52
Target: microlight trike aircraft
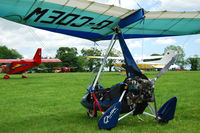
22	65
95	21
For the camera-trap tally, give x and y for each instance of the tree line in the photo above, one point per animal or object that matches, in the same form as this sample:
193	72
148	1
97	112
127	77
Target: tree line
81	62
71	58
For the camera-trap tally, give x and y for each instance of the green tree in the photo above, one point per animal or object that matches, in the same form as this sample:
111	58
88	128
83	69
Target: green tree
83	63
113	53
6	53
91	63
194	62
49	66
180	57
68	56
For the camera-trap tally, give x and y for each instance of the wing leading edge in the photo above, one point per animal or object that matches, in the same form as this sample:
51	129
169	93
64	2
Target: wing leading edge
8	60
95	21
50	60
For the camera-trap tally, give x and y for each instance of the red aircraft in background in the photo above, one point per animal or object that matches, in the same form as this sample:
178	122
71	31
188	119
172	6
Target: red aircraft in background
21	65
63	69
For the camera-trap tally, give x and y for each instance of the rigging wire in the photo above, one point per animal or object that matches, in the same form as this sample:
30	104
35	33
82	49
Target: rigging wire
185	41
138	4
37	38
157	5
1	42
119	3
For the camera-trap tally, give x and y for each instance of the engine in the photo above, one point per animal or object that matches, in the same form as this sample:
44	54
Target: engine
139	91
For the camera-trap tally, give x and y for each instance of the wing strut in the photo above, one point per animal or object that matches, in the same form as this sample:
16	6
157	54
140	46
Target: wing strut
136	16
104	60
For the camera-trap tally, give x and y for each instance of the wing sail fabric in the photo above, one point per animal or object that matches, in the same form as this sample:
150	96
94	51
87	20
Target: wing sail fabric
95	21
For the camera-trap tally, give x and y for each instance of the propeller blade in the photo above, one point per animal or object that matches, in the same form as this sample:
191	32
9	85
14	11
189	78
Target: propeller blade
166	67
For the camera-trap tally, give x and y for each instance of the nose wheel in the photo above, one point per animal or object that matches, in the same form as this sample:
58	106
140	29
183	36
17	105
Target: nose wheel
6	77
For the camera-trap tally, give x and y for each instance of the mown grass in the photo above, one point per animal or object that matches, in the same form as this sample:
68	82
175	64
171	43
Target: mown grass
50	103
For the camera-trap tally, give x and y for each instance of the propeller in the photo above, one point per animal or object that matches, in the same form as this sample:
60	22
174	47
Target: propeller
163	70
153	81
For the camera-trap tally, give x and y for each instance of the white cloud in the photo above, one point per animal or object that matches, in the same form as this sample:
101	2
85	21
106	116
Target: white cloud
135	44
164	41
156	4
26	40
129	4
197	41
180	4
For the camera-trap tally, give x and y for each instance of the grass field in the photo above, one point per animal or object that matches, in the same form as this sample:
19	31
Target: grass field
50	103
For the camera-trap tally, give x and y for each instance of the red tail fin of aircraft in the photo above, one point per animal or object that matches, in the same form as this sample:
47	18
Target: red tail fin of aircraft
37	57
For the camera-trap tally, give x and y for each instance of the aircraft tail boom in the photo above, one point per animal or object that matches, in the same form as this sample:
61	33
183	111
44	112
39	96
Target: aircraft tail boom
166	58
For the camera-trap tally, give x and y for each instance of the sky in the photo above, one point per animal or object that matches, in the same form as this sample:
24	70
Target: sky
26	40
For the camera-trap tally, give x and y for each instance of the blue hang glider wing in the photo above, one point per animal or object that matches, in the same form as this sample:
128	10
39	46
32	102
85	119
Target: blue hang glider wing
95	21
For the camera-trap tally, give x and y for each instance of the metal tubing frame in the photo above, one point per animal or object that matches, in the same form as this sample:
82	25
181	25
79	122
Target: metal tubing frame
151	108
122	95
154	101
139	118
125	115
104	60
145	113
